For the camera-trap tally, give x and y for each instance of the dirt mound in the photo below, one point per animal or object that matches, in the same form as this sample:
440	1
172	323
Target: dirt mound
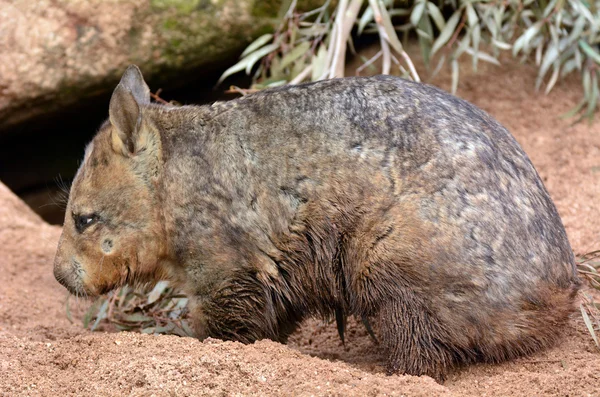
43	353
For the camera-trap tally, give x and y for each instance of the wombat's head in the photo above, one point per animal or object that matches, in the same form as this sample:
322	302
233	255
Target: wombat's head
113	233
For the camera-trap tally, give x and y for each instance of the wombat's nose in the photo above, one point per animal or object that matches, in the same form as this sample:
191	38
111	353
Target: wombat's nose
64	269
59	271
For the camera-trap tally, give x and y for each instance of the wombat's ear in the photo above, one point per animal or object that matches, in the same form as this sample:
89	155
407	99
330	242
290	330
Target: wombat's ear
124	109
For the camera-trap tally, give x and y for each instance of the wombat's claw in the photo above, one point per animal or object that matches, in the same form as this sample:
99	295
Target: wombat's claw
367	324
340	320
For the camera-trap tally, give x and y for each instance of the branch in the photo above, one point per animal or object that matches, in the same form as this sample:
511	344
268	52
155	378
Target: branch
345	20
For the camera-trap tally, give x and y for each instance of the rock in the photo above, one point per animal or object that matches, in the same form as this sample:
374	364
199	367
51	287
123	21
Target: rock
58	52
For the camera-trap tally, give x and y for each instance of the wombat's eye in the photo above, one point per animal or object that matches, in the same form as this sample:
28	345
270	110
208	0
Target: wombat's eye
82	222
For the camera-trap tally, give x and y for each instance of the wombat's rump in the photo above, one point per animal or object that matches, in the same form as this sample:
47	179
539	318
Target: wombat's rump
375	197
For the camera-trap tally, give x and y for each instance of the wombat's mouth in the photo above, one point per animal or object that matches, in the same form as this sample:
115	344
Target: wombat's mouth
71	279
75	288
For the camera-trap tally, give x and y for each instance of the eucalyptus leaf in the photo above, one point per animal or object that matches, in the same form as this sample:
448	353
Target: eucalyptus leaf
436	15
318	63
392	38
589	51
593	98
549	8
424	34
255	56
399	12
578	28
417	13
294	54
568	67
157	291
483	56
366	17
553	78
101	315
463	45
446	33
476	34
165	329
455	72
248	61
256	44
136	318
526	37
589	325
472	17
502	45
549	57
583	10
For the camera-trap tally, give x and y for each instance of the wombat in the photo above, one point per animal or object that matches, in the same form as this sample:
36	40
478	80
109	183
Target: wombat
376	197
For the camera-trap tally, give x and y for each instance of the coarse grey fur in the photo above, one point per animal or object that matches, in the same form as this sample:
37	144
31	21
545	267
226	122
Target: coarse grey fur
375	197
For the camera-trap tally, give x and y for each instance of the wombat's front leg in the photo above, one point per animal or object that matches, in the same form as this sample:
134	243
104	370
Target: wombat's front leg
242	309
413	341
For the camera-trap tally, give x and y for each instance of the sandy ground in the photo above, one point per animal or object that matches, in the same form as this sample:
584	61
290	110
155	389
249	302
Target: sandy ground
42	353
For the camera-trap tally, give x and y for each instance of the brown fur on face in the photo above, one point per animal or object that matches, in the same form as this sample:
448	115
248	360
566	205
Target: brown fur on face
373	197
115	187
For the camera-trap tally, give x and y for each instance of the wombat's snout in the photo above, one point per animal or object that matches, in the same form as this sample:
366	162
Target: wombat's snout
68	272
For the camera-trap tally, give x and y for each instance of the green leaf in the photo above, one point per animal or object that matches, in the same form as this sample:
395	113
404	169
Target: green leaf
455	72
275	67
553	78
68	309
549	8
186	328
256	44
483	56
568	67
436	15
593	98
525	39
583	10
549	57
318	63
164	329
294	54
476	37
577	29
254	57
446	33
439	66
417	13
399	12
589	325
472	18
278	83
574	111
389	29
101	315
590	52
587	83
313	31
248	62
463	46
136	318
157	291
500	44
366	17
425	32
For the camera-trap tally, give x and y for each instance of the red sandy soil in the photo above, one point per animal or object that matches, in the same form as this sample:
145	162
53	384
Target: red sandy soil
42	353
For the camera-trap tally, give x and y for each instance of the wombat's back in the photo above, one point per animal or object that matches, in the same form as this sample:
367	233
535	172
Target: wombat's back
462	168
